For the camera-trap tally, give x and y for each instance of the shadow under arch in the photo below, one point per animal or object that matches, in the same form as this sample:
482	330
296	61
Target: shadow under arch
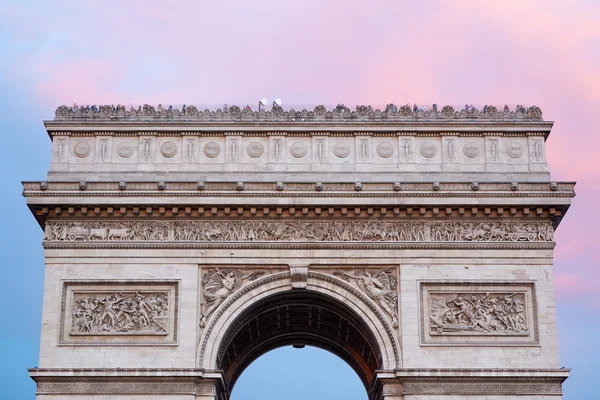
329	314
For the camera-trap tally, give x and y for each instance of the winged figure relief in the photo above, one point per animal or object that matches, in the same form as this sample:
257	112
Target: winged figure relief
380	286
218	285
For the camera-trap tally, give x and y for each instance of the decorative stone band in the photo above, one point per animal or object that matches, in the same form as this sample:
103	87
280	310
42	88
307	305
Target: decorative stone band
483	386
123	386
126	385
199	382
455	382
338	114
454	189
298	231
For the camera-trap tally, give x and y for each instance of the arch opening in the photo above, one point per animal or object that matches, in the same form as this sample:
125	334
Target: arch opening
307	373
301	318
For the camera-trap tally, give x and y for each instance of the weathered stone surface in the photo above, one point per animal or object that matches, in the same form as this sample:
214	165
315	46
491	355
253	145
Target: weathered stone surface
183	244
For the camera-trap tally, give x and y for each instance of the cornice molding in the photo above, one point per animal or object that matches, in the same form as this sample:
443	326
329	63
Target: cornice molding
303	245
367	189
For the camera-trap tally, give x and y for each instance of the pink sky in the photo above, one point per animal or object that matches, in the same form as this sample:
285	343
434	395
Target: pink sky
542	52
517	52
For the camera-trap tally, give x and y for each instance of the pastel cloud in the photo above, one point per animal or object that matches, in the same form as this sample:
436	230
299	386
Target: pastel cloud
545	53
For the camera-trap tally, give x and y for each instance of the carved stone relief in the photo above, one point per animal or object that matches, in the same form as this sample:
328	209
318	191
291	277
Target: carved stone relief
537	150
451	150
380	285
406	150
97	230
320	150
82	149
60	150
103	149
218	284
300	231
385	150
494	149
233	150
428	150
298	149
146	152
341	149
129	313
168	149
471	149
478	312
116	312
255	149
212	149
190	150
339	113
363	150
277	149
126	149
515	149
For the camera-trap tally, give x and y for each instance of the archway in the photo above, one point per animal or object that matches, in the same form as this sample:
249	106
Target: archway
298	374
328	314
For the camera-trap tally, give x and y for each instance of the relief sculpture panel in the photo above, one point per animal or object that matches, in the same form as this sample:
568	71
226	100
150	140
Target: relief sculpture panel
478	313
379	285
218	285
300	231
110	313
120	313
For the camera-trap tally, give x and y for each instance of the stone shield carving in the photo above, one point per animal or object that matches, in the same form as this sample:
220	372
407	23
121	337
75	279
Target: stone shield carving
126	149
428	150
385	150
515	149
298	149
212	149
255	149
116	312
471	149
342	150
82	149
168	149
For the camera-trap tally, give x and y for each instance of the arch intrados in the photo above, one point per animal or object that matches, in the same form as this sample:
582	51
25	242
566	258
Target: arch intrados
219	328
299	317
318	343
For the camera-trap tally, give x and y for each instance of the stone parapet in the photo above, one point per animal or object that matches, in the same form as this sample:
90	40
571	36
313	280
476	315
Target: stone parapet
325	151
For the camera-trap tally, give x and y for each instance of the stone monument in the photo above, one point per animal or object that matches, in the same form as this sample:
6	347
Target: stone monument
182	244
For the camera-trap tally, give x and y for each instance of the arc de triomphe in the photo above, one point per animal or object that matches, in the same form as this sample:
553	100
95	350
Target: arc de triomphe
181	244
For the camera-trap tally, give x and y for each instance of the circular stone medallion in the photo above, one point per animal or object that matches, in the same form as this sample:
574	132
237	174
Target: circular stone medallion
514	149
385	149
341	149
299	149
212	149
471	150
255	149
428	150
126	149
82	149
168	149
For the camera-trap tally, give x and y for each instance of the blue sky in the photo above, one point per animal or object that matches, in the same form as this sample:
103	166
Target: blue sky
310	52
